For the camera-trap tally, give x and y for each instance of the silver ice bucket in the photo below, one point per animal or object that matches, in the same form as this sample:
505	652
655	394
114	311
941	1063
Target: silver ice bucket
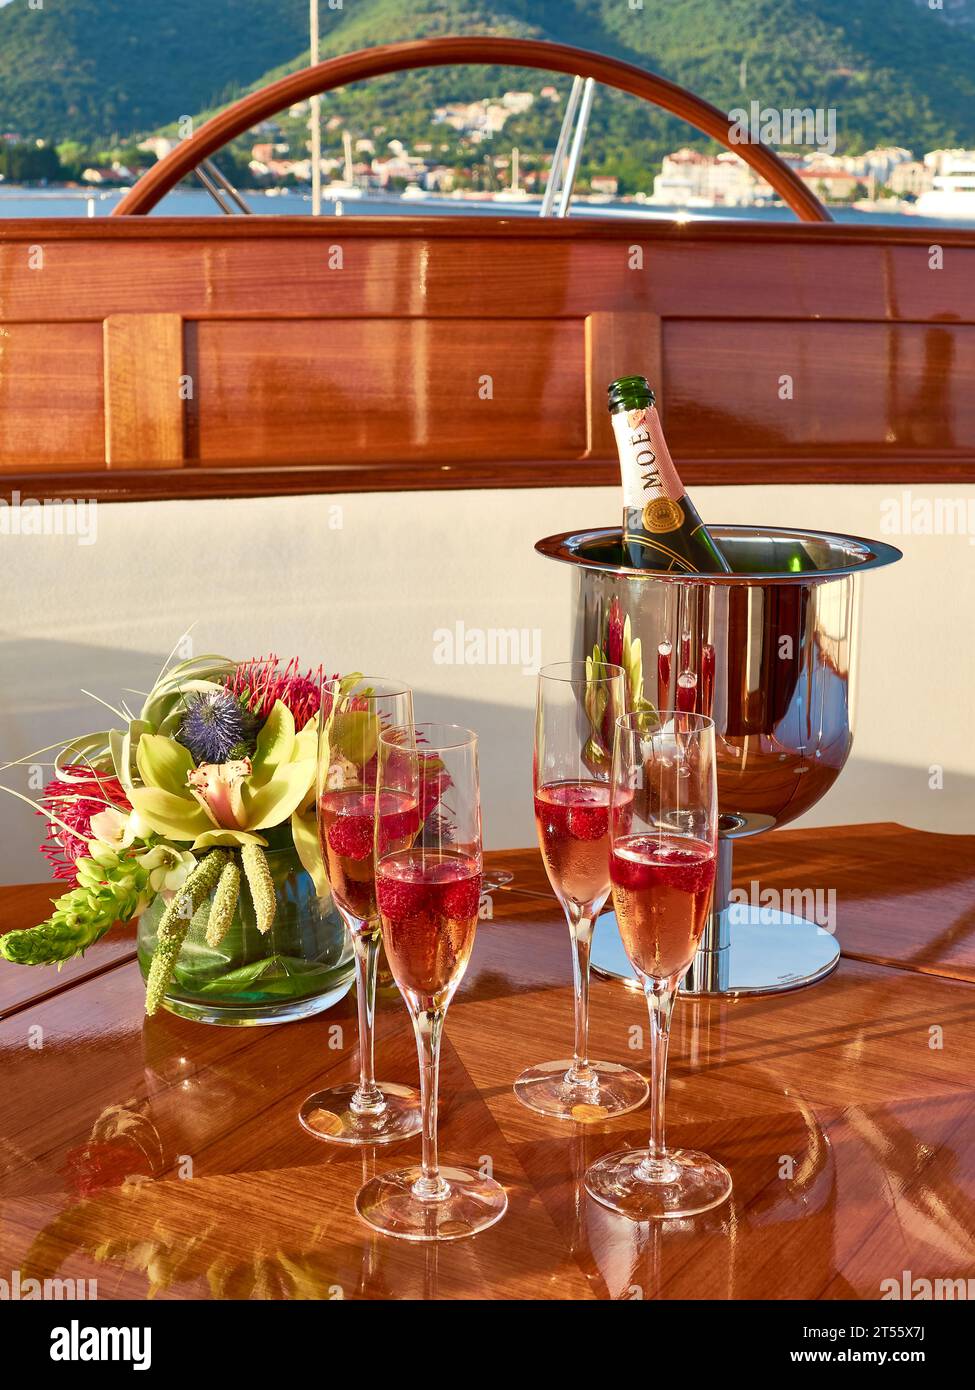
769	652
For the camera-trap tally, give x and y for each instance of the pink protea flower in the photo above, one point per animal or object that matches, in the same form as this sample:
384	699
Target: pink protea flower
75	803
260	682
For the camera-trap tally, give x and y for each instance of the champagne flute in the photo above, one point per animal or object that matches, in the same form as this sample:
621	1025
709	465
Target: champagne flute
369	1112
428	894
577	705
664	837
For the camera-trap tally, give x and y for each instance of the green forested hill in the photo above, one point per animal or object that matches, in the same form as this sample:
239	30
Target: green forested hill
895	70
88	69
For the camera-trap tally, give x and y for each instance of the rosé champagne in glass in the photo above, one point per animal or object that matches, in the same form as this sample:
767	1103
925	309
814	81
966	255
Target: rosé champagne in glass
662	888
348	822
428	897
429	904
577	706
572	821
353	714
663	829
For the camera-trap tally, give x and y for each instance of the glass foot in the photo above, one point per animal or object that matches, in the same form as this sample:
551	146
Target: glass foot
614	1090
328	1115
683	1183
469	1204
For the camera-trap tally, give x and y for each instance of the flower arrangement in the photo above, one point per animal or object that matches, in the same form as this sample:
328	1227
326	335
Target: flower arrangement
625	651
183	801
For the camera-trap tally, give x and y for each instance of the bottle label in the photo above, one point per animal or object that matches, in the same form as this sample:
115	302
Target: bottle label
651	485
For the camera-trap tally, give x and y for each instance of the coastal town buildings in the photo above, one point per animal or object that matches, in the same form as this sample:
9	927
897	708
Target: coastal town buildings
466	160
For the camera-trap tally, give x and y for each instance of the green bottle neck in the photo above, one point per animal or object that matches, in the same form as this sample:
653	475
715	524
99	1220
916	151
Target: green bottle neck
629	393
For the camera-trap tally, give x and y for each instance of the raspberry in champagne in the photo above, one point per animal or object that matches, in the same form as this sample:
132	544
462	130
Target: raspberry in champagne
347	819
428	902
662	889
572	819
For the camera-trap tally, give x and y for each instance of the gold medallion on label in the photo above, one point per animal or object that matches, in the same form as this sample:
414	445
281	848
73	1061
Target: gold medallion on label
662	514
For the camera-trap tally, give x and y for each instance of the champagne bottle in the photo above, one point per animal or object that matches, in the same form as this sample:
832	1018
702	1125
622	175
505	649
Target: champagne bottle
661	527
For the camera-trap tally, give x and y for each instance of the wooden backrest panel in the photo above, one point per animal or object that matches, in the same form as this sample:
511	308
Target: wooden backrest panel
853	386
51	395
300	390
171	357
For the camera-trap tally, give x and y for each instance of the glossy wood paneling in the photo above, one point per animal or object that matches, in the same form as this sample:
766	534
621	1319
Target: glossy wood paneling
234	478
618	345
281	265
903	897
51	406
287	391
289	325
913	387
144	390
164	1157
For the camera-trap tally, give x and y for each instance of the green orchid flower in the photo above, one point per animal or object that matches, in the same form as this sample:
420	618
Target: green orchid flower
226	804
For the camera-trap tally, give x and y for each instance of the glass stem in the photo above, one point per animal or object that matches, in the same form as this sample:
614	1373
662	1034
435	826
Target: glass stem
428	1026
368	1098
580	929
657	1166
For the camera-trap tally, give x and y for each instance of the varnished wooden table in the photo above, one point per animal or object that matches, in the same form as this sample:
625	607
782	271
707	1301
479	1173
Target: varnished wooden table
165	1157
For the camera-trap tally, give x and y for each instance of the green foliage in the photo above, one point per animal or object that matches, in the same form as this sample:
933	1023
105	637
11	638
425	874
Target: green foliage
175	924
110	889
22	163
224	903
261	884
894	69
87	69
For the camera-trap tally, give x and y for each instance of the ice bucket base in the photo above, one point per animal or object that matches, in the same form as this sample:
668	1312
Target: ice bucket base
769	952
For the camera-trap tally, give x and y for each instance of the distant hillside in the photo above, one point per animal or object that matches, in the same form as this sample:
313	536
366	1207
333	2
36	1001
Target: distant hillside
84	69
895	70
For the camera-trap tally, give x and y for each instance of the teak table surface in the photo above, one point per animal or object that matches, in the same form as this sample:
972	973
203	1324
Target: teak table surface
165	1158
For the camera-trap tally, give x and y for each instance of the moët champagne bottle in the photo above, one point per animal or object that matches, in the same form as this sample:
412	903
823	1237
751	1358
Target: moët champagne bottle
661	527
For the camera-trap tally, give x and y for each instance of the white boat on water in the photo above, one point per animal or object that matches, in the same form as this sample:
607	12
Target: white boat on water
341	190
953	194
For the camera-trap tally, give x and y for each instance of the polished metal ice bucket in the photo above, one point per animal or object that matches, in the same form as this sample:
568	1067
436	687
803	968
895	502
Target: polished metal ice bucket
769	652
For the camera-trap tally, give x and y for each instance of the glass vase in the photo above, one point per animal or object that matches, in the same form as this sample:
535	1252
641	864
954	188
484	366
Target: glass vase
301	966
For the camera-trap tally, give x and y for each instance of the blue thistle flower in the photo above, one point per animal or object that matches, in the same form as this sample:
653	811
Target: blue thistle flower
215	727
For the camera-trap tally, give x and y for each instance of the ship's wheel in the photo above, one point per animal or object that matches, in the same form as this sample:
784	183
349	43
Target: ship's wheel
587	68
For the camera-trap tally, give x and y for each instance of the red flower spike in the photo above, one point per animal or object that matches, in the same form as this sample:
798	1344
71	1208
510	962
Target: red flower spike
261	682
75	803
